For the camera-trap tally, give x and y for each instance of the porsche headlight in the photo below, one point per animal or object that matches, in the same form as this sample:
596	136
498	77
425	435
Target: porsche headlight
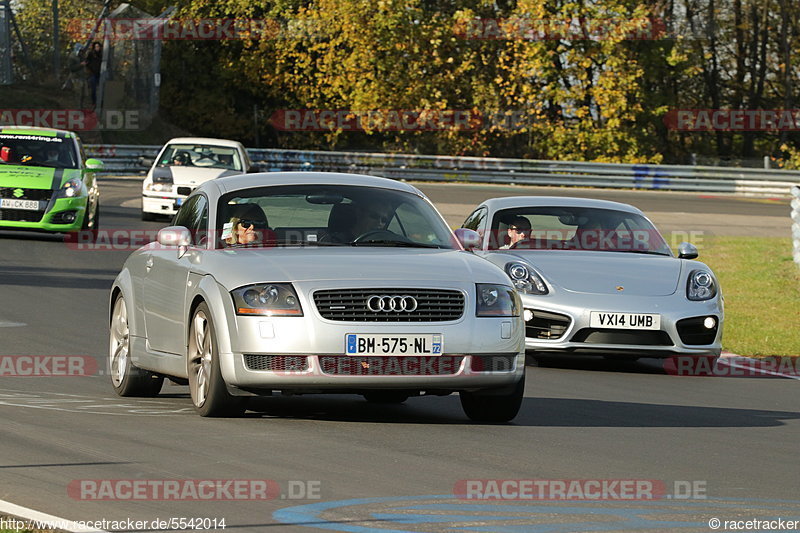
496	300
701	285
72	188
267	299
525	280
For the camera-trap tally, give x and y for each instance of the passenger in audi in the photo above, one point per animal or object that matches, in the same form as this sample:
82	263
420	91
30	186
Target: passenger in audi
248	225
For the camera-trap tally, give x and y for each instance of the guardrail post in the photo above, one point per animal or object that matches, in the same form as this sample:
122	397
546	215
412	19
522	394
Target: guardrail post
796	222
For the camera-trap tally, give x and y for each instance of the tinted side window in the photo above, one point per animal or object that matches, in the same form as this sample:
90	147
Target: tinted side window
476	220
194	215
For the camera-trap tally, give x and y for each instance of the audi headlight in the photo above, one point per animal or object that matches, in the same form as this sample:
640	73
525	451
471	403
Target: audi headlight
72	188
267	299
701	285
496	300
159	186
525	280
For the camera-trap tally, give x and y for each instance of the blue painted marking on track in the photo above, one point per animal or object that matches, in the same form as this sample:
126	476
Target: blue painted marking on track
414	511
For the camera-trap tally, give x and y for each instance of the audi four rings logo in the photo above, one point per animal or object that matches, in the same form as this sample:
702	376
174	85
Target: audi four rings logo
387	304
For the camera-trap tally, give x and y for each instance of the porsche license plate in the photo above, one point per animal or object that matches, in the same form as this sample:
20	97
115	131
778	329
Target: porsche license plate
368	344
27	205
624	320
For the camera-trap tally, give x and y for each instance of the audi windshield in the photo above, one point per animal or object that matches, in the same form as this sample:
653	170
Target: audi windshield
329	215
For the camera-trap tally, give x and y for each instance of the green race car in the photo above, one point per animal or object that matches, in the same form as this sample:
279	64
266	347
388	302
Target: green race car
46	182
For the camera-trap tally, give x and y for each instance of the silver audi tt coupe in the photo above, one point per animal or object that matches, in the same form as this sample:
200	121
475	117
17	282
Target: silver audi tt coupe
596	277
306	282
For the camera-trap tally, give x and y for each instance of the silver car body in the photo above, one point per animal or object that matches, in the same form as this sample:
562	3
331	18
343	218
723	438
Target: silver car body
184	179
581	282
161	288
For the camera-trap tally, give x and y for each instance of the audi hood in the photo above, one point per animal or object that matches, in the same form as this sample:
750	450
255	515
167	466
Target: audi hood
234	268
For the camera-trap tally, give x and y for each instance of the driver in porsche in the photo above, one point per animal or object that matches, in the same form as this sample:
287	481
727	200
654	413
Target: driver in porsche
519	229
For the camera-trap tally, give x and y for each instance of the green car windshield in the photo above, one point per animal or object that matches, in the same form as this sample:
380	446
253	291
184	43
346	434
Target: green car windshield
37	151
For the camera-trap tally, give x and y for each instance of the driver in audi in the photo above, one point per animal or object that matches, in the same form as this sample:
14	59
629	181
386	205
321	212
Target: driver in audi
357	219
371	218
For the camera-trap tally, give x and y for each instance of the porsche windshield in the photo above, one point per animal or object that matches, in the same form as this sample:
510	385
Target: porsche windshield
575	228
37	151
329	215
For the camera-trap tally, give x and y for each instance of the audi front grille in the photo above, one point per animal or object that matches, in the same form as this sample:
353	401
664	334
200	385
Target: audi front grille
443	365
390	305
276	363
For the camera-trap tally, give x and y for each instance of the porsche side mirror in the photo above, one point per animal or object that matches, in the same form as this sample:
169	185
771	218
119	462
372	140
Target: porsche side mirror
687	251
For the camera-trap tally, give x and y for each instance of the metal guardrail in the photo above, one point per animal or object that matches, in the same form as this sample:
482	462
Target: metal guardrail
126	159
796	223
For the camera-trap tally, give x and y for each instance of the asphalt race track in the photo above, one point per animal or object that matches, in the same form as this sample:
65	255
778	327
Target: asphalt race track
714	447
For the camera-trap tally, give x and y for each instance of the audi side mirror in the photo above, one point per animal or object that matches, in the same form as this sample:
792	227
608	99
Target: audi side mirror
175	236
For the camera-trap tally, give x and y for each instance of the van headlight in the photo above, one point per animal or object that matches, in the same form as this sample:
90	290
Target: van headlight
525	280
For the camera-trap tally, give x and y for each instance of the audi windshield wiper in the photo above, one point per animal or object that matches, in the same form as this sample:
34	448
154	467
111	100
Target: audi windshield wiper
274	244
399	244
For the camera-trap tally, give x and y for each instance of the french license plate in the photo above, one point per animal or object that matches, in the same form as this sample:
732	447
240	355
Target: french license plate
624	320
358	344
28	205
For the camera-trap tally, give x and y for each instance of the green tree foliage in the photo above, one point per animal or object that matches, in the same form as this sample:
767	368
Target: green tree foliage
35	19
551	79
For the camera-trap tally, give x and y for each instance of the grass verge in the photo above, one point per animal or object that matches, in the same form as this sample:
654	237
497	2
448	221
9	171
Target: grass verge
761	286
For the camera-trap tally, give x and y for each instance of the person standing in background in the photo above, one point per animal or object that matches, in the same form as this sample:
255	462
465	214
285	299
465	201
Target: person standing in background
93	61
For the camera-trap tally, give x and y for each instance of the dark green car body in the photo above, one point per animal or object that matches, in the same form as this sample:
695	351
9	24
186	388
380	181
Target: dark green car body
59	194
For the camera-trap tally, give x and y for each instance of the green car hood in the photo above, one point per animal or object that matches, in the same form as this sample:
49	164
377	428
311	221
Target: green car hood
35	177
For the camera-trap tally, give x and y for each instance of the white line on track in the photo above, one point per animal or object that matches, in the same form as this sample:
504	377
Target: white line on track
9	324
27	514
733	360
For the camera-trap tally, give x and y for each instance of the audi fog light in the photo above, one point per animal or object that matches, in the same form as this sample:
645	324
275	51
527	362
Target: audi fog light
496	300
267	299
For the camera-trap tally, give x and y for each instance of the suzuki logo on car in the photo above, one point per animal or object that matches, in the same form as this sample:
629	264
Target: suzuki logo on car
387	304
19	193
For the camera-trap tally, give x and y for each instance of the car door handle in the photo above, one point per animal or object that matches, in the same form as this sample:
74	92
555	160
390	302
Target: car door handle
149	264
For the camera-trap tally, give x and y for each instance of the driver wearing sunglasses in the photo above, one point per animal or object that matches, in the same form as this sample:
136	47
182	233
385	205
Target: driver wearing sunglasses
248	225
372	218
